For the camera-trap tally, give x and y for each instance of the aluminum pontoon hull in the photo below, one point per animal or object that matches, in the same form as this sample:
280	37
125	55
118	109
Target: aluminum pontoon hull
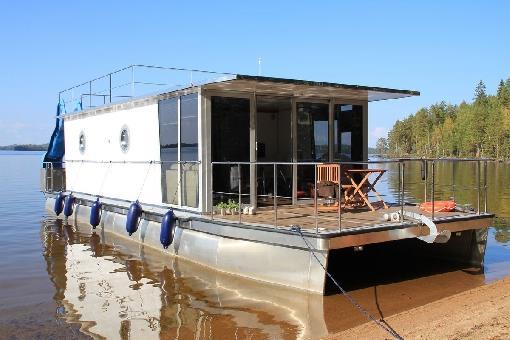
272	255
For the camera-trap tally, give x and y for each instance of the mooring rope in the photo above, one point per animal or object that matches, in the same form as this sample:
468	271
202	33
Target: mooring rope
355	303
145	179
100	192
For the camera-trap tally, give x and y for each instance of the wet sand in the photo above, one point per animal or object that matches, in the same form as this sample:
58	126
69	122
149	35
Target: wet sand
479	313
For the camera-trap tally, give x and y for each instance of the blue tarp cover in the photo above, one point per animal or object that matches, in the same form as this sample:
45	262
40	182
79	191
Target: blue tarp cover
56	148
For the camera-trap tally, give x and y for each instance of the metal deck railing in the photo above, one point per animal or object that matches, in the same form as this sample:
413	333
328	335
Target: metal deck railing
402	181
405	183
134	81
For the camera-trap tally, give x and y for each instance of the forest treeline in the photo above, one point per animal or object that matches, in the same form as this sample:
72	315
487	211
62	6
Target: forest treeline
477	129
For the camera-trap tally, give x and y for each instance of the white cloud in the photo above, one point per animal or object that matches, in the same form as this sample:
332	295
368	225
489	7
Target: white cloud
376	133
18	132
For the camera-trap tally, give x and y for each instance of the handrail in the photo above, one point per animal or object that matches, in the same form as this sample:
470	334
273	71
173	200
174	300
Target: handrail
429	178
109	79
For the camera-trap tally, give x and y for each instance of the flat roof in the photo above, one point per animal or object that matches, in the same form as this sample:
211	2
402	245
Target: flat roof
306	88
111	95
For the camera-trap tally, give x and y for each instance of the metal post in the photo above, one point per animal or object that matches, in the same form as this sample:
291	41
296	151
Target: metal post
339	198
132	81
478	185
315	199
51	178
426	170
453	180
402	191
110	88
433	187
485	186
239	185
211	198
90	93
275	203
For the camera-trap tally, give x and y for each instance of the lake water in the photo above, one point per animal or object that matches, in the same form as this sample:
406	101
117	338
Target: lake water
58	282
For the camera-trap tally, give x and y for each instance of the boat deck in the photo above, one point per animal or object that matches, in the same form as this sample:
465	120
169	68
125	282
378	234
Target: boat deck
327	220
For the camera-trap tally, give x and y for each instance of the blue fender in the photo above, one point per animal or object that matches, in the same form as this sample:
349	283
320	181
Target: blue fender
68	205
95	214
167	229
59	203
133	217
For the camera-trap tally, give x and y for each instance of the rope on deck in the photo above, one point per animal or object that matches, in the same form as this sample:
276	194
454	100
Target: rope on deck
351	299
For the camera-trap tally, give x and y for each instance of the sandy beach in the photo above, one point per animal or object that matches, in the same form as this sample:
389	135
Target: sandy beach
479	313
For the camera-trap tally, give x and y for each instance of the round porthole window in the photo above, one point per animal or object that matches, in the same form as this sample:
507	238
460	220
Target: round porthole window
124	139
82	144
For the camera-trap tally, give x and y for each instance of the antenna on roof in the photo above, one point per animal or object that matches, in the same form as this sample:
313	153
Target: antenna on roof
260	66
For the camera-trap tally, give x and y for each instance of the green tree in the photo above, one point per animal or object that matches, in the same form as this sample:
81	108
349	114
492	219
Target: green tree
503	93
480	92
480	128
381	147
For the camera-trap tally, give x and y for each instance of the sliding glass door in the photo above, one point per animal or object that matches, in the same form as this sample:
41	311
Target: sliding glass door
230	138
312	143
348	132
274	144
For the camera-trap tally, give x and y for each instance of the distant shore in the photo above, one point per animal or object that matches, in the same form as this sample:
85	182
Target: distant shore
24	147
479	313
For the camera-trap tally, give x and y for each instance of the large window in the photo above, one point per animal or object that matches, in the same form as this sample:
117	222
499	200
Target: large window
189	127
230	137
179	156
348	132
189	150
168	111
312	132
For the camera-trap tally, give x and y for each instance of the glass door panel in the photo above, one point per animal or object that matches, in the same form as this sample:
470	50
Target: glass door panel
312	143
274	144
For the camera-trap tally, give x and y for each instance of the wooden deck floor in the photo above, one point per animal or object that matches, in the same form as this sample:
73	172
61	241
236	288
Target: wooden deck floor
303	215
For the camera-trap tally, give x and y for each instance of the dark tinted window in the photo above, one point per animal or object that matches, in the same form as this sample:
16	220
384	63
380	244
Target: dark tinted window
168	137
168	129
348	127
312	131
189	127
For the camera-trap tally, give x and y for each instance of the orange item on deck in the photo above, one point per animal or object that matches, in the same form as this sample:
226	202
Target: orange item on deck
439	206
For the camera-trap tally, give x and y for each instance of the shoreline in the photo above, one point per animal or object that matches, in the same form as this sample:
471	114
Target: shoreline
481	312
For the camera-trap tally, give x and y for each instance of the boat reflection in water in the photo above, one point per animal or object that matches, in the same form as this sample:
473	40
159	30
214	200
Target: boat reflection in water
115	289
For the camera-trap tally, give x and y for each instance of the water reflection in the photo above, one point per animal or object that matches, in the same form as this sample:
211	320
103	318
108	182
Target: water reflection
116	289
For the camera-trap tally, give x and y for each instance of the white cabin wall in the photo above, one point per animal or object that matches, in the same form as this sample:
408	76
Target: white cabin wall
102	134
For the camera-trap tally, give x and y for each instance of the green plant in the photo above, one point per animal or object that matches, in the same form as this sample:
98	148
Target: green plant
232	205
222	205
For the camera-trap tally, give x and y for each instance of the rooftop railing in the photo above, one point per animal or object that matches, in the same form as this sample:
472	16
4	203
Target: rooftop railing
133	81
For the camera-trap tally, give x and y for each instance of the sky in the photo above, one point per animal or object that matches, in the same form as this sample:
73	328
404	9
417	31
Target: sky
440	48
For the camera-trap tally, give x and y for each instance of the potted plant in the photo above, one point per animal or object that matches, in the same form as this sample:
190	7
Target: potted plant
222	207
233	206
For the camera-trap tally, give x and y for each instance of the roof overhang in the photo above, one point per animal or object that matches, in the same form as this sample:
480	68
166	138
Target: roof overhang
304	88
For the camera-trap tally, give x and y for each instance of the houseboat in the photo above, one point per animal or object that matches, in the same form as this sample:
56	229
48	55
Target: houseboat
254	176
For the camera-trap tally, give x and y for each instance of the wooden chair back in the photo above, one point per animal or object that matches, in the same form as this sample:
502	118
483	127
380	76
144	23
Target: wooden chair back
328	173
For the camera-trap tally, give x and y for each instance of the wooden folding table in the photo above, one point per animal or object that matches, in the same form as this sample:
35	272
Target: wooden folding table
362	188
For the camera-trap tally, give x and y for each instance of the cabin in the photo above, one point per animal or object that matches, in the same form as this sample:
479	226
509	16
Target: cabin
188	134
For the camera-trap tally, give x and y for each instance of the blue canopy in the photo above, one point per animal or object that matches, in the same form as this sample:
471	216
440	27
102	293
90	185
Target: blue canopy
56	147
